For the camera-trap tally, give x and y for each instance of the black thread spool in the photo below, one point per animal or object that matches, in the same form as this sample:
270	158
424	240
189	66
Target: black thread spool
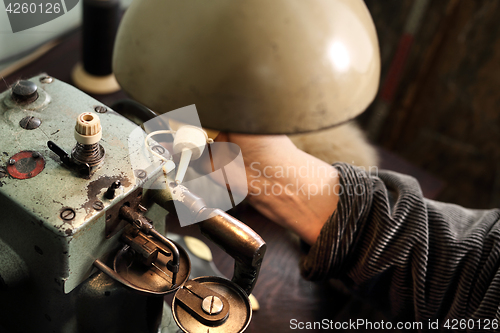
100	24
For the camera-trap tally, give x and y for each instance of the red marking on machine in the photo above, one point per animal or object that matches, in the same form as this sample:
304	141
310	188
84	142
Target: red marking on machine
26	164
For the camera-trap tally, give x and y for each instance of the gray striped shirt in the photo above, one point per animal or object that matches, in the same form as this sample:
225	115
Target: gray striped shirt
419	258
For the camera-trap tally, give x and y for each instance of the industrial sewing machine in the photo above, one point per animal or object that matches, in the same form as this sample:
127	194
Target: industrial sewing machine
82	245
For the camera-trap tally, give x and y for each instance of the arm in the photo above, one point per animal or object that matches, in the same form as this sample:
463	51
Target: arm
420	257
290	187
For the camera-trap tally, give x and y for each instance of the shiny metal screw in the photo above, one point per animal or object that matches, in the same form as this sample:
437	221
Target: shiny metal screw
100	109
12	161
141	173
24	91
68	214
158	149
46	79
98	205
30	122
212	305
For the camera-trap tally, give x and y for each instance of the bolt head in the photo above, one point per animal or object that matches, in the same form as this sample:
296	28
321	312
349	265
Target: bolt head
212	305
35	154
138	223
30	122
46	79
24	91
100	109
98	205
141	174
68	214
158	149
12	161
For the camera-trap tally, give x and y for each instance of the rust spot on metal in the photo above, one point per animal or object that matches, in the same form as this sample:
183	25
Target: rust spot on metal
94	189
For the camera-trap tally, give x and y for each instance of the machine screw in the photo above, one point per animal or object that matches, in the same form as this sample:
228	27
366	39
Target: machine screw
212	305
46	79
68	214
30	122
24	91
100	109
12	161
141	173
158	149
98	205
35	154
138	223
3	172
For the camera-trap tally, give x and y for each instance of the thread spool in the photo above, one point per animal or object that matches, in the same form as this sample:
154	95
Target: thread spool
100	24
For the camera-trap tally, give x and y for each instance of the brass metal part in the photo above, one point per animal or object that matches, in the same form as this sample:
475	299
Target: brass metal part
234	299
192	296
143	224
146	247
114	222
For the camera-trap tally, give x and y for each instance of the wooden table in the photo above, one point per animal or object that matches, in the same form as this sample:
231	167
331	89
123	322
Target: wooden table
283	295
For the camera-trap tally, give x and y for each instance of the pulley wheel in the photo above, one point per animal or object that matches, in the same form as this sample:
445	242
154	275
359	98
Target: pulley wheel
194	300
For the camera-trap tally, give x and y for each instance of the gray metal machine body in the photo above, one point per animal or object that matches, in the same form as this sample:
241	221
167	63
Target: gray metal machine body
65	222
53	225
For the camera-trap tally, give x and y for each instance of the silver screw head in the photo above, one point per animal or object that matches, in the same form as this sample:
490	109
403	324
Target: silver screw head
158	149
98	205
46	79
141	173
68	214
212	305
100	109
30	122
24	91
12	161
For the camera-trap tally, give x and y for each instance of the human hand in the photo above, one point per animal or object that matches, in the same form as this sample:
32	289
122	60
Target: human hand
289	186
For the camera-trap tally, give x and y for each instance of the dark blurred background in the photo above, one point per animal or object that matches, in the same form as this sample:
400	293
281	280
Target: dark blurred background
438	102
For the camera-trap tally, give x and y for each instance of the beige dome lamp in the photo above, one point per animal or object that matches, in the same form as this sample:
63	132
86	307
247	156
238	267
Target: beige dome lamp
252	66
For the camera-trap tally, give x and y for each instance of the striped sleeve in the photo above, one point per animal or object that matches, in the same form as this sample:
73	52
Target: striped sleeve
420	259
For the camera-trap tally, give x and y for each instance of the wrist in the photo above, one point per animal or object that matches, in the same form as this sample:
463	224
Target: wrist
299	192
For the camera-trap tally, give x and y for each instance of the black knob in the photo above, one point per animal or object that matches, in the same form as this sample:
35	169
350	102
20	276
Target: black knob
24	91
110	193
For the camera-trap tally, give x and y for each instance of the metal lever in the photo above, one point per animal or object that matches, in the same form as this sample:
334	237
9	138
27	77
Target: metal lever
63	155
240	242
84	169
234	237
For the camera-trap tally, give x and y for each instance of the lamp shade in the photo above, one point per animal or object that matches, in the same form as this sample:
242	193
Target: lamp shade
251	66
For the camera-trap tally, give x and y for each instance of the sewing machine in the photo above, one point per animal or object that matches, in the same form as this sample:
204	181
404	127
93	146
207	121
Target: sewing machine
82	232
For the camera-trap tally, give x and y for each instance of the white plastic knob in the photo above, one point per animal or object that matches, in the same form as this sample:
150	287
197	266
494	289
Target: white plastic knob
190	142
88	128
192	138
